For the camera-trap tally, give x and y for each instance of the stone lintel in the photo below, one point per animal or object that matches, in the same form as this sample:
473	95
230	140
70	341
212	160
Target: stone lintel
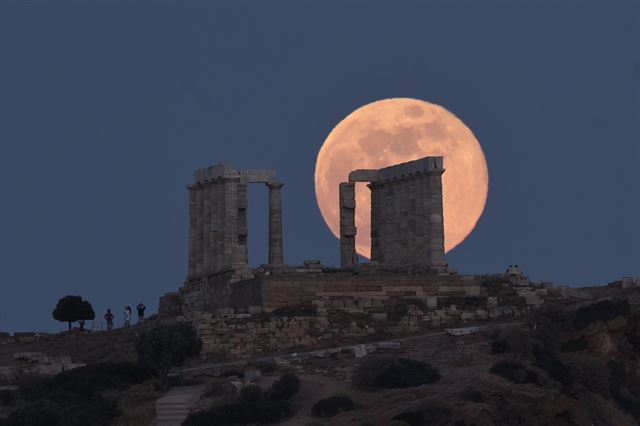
216	171
398	171
258	176
410	168
363	175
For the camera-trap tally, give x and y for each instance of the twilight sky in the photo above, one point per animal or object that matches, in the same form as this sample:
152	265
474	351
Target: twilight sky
106	108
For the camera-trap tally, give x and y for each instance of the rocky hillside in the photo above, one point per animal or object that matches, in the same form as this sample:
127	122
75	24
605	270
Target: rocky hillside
568	363
573	361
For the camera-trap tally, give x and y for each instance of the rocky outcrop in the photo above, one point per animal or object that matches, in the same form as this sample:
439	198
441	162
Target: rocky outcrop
38	363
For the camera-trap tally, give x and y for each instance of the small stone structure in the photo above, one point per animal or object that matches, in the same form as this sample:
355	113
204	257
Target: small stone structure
515	276
407	228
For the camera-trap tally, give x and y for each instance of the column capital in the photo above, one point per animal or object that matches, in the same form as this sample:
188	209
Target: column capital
274	185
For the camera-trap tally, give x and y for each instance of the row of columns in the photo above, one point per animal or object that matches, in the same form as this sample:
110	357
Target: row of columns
218	231
407	228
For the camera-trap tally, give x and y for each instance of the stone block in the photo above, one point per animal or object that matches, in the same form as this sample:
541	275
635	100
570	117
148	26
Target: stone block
31	357
360	351
467	316
432	303
389	346
252	375
363	175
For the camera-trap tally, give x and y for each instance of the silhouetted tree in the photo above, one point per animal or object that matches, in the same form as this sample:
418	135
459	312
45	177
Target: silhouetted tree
166	346
72	308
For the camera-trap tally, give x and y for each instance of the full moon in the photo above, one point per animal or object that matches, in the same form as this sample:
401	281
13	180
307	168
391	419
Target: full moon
393	131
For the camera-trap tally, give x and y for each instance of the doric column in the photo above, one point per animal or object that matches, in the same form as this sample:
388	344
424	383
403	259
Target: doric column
231	251
436	221
377	231
195	230
207	227
347	224
275	223
243	230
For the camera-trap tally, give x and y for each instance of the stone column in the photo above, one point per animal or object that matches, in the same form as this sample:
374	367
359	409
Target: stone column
231	251
207	227
376	224
437	260
347	224
242	223
195	230
275	223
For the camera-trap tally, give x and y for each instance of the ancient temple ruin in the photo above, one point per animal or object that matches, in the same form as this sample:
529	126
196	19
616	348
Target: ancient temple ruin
407	238
407	228
407	286
218	219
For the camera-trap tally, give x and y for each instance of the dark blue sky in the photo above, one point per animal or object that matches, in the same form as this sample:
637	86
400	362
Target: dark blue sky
106	108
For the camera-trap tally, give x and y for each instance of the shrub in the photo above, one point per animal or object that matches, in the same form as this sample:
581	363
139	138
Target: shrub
434	413
214	390
252	406
546	324
574	345
83	382
492	331
38	413
628	402
555	368
251	393
516	341
604	310
284	388
96	412
394	373
514	372
78	392
617	374
472	394
232	372
397	311
329	407
7	396
592	373
500	346
145	390
166	346
266	366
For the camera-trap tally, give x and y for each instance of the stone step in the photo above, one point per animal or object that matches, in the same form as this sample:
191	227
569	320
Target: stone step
176	412
166	411
172	418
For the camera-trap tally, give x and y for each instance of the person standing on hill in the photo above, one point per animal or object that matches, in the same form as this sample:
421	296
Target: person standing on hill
109	317
127	316
141	309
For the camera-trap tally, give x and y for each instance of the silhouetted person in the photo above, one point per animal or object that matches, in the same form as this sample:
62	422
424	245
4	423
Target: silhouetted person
141	309
127	316
109	317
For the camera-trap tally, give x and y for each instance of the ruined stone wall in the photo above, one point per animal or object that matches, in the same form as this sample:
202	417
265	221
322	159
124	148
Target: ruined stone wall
369	289
211	293
336	320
